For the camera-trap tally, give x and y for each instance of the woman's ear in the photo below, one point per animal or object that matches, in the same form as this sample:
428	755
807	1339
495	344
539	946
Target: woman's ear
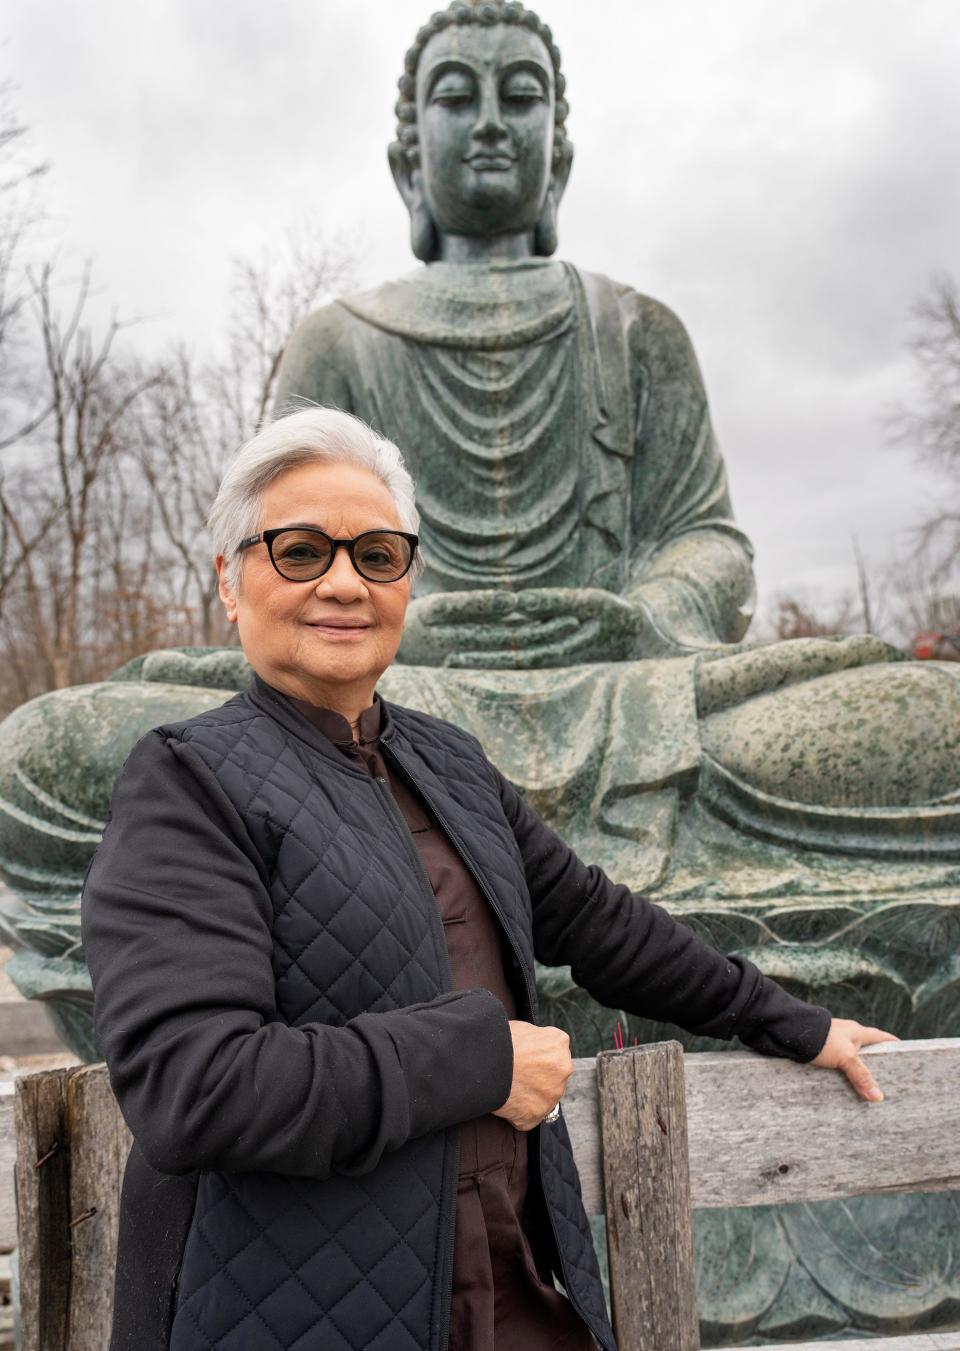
423	233
226	591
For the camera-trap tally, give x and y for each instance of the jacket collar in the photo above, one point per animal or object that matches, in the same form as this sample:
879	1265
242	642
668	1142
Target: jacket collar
284	711
335	726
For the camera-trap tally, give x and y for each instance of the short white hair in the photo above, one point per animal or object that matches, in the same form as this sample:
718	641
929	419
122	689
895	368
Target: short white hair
327	435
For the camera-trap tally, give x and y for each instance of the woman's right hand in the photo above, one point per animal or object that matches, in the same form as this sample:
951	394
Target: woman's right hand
542	1064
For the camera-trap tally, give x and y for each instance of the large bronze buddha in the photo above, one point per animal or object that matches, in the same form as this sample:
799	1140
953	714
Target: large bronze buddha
583	611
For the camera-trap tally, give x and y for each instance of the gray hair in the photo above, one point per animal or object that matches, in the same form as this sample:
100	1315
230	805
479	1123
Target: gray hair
309	434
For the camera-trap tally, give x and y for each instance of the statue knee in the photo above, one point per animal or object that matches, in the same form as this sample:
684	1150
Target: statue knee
869	757
59	757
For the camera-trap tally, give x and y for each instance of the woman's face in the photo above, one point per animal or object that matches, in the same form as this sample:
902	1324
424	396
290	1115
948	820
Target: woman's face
332	637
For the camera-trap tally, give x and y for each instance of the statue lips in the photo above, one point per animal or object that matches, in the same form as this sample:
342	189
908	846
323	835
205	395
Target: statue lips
495	162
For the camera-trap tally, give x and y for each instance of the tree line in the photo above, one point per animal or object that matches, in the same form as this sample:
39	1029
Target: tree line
914	598
108	461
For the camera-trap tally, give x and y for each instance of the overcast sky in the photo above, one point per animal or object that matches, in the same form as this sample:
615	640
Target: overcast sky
784	176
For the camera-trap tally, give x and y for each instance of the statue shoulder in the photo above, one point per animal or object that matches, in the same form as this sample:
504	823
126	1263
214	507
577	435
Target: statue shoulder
636	308
322	331
317	360
656	337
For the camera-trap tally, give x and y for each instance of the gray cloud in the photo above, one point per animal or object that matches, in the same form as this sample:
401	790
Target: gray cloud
782	176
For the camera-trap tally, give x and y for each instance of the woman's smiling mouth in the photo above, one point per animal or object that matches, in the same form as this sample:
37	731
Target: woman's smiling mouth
340	627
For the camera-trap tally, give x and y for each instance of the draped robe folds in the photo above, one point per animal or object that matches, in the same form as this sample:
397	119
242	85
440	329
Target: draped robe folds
557	430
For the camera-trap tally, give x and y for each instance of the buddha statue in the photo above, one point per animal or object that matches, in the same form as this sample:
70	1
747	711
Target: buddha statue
583	611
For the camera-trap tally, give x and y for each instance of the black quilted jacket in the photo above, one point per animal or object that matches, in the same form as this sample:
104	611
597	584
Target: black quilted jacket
272	1000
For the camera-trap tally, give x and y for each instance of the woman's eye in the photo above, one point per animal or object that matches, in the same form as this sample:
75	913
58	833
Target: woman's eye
300	552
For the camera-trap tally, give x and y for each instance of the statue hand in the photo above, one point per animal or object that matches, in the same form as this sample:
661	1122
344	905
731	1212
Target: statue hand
537	627
839	1052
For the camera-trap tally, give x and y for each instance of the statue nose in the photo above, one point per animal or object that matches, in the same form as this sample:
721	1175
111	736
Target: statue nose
490	130
490	126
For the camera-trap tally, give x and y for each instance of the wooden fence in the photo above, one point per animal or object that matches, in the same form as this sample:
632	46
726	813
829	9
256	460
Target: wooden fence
656	1134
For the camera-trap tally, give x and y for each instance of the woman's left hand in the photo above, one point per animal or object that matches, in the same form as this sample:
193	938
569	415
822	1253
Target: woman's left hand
840	1052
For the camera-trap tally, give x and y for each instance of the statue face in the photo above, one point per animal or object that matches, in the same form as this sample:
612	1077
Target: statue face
485	110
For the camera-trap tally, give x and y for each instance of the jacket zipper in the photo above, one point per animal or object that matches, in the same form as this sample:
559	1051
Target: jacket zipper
447	1212
495	907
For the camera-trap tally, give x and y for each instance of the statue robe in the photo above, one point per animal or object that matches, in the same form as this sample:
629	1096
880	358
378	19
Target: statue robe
557	430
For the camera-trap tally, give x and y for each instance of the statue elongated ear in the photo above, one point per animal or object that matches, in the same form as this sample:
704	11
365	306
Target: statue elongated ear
545	232
562	167
423	233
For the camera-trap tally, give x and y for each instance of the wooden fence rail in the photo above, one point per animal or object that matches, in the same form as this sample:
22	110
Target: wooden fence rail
656	1134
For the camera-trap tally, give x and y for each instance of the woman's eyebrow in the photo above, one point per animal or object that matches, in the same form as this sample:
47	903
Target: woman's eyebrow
312	525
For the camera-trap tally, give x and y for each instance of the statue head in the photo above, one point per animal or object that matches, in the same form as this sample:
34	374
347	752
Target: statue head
481	148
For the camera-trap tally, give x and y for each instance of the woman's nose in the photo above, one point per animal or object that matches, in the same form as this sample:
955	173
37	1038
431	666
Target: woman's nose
341	579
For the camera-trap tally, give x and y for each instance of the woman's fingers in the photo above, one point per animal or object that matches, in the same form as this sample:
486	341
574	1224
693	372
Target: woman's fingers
870	1036
541	1067
845	1038
862	1080
856	1070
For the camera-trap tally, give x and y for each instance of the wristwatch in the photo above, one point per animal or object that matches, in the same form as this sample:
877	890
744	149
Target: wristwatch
553	1114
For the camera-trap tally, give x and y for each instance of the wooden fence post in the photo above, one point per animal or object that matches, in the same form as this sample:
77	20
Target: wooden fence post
72	1146
100	1145
643	1128
43	1209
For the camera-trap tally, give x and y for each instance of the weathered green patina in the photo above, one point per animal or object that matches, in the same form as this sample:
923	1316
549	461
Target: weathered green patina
583	611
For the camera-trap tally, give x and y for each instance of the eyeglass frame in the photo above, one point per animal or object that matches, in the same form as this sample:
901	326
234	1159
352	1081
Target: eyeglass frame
268	536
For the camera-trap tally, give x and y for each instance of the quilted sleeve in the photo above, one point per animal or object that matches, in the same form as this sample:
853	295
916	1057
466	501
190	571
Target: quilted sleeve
631	954
176	926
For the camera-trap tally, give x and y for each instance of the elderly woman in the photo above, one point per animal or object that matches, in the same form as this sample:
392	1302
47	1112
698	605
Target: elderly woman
311	928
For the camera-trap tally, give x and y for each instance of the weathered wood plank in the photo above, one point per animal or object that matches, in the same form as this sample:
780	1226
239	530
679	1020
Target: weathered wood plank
936	1341
760	1128
649	1219
43	1209
10	1068
581	1112
100	1143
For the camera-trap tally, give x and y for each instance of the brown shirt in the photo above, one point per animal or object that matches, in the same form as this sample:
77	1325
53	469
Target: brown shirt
503	1296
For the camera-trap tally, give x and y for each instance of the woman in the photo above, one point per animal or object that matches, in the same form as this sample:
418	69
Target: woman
311	927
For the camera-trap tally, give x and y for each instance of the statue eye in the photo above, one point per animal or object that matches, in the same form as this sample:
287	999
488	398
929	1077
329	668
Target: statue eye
522	87
453	89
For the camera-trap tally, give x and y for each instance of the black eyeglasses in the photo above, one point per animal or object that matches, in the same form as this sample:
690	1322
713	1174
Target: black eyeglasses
302	553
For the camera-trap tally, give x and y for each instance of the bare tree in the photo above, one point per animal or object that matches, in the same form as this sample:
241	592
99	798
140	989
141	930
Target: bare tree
49	502
793	617
199	412
104	492
21	176
932	427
